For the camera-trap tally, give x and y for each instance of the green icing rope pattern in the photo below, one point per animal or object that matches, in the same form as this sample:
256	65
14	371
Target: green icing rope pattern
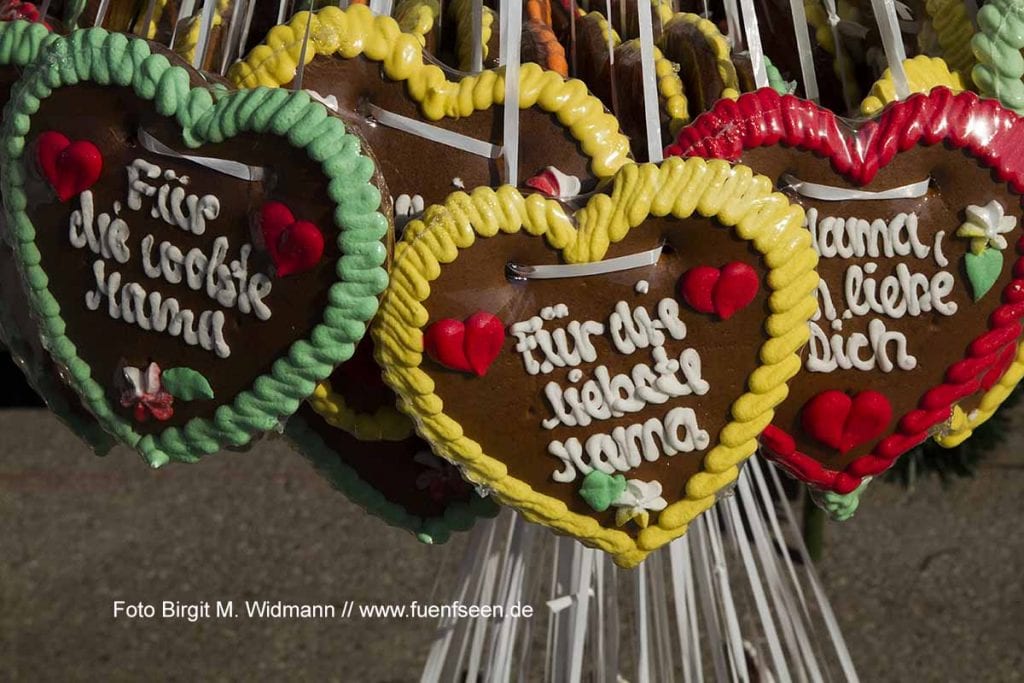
997	46
20	43
458	516
115	59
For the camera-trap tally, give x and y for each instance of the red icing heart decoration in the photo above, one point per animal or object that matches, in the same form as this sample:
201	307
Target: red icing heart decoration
70	167
469	346
722	291
13	10
843	423
294	246
969	149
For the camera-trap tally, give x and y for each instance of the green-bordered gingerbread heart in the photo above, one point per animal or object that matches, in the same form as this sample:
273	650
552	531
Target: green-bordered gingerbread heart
229	239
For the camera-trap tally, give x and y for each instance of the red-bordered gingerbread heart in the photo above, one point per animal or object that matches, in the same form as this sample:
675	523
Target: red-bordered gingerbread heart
912	214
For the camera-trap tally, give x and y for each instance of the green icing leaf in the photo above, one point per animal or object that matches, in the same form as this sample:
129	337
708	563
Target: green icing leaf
186	384
983	270
600	490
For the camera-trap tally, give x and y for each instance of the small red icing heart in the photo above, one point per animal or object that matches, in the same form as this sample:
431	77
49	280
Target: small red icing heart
70	167
294	246
843	423
722	291
469	346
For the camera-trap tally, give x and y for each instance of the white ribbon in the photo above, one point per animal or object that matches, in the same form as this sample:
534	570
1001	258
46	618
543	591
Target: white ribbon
733	25
382	8
184	12
612	265
833	22
297	81
435	133
101	12
477	28
804	50
892	43
512	48
831	193
205	29
235	169
753	34
652	115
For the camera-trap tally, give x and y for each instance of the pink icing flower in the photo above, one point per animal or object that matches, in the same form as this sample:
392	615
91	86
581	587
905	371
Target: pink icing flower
146	394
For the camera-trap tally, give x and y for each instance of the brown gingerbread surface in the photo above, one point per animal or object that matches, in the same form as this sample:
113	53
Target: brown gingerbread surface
503	410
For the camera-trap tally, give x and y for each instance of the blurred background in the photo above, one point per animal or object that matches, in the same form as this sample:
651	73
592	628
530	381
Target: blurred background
926	580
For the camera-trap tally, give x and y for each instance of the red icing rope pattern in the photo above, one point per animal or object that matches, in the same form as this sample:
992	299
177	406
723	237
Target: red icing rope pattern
983	128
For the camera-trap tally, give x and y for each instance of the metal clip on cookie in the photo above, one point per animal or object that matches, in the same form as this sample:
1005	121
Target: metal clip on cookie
644	259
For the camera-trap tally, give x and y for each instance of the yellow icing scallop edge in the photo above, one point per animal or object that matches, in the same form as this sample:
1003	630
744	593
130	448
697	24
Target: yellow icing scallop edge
356	31
962	424
923	74
384	424
719	47
462	11
733	195
417	17
953	31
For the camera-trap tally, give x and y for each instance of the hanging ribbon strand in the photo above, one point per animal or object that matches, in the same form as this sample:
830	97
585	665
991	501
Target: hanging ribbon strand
892	42
652	114
511	47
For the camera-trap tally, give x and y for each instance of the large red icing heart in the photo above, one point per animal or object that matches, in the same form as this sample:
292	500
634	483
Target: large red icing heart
722	291
294	246
469	346
843	422
939	135
70	167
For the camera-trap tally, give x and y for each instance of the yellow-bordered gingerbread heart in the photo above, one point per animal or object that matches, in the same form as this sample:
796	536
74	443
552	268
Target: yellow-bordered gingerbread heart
688	287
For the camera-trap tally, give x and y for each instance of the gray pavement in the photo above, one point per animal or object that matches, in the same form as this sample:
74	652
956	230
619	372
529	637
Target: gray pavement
927	584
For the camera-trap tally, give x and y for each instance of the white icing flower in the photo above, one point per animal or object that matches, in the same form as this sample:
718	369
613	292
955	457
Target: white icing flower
637	502
145	393
986	225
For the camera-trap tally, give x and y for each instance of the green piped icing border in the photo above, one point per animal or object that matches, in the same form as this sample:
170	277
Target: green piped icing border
208	116
20	44
459	516
997	46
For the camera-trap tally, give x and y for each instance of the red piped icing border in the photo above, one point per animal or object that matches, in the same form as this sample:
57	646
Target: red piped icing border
983	128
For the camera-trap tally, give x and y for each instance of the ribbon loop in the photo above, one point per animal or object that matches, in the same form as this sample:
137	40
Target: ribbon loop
235	169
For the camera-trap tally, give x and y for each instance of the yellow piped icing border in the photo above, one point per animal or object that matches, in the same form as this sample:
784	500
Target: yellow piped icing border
384	424
962	424
671	90
953	31
417	17
923	74
734	195
461	11
356	31
719	46
188	39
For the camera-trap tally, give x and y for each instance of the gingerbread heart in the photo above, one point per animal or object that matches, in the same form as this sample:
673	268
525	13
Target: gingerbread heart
20	43
357	439
434	131
151	287
898	208
602	371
